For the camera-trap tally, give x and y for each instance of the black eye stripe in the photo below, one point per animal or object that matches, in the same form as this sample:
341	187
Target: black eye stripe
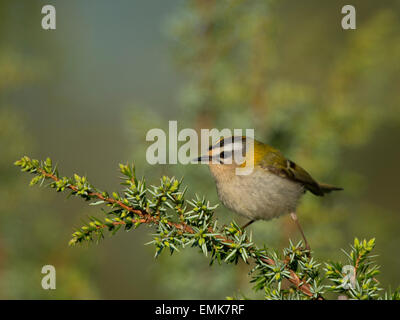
220	144
226	142
225	154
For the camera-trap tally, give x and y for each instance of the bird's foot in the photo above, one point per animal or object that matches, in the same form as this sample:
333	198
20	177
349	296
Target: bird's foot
247	224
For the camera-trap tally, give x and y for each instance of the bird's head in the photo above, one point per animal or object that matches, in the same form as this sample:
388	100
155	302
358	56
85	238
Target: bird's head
230	153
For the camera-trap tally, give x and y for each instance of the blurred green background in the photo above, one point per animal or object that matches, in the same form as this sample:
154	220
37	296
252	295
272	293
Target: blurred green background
86	94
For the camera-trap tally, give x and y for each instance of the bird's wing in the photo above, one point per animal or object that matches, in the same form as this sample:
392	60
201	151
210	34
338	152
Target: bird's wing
276	163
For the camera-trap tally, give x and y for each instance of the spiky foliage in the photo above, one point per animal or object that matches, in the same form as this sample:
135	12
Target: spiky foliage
181	223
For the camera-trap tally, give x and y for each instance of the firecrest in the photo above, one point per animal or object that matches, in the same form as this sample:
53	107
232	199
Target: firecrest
273	187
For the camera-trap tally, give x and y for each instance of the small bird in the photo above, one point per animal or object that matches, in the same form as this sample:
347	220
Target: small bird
272	188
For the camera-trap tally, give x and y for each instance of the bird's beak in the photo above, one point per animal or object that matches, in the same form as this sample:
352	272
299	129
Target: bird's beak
203	159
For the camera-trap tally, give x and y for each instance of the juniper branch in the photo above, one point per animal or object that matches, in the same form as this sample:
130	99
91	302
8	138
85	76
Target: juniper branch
181	223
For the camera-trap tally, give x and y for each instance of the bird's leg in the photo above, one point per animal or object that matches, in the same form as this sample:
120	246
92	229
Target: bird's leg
247	224
296	220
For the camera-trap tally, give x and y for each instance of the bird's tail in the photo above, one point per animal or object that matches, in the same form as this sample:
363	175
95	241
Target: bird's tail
327	188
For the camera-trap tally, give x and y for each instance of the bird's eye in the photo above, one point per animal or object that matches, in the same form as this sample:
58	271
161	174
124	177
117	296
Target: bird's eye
224	155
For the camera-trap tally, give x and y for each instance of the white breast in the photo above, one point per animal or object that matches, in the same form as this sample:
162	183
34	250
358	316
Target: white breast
260	195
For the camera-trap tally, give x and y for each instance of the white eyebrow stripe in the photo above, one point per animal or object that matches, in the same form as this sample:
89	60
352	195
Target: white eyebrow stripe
228	148
234	146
